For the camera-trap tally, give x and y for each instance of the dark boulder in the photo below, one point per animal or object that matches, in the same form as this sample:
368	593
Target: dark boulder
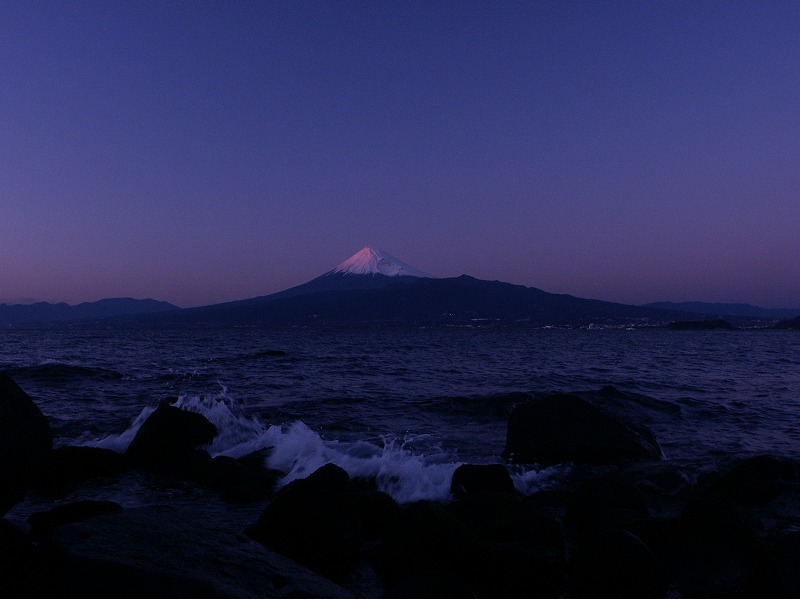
431	585
238	480
42	523
778	575
166	552
604	503
25	442
471	480
426	538
377	510
721	547
755	480
168	438
517	542
17	568
565	428
70	466
315	521
615	564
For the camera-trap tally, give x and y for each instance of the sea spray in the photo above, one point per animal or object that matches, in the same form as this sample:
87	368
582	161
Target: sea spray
404	475
121	441
396	464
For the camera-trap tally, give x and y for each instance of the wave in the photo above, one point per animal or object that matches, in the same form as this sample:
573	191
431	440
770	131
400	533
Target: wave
391	461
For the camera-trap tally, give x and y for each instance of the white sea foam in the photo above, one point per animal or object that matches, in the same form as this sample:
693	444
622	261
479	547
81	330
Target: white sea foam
298	451
121	441
404	475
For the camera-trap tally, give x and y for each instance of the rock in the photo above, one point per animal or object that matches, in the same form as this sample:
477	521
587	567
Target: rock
168	438
517	542
43	523
377	510
431	585
566	428
426	538
17	579
778	575
25	442
604	503
165	552
471	480
720	547
316	522
238	480
615	564
755	480
70	466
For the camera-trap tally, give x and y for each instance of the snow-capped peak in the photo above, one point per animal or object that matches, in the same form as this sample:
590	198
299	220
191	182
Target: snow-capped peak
370	261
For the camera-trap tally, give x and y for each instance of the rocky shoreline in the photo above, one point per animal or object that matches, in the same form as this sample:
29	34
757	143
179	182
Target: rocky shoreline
623	522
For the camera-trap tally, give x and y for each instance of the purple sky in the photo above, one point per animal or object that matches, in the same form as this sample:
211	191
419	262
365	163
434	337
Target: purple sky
204	151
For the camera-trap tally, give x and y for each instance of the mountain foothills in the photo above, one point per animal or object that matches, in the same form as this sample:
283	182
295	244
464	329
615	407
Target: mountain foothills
373	287
43	313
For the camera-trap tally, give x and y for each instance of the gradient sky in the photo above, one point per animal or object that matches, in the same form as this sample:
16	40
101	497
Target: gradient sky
209	151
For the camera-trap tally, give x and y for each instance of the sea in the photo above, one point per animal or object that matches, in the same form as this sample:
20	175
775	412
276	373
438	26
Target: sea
406	406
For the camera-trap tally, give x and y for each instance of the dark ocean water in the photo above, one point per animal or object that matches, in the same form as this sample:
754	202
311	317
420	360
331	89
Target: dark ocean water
408	405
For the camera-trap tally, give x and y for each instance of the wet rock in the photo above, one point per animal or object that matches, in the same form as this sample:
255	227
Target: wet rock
239	481
517	542
566	428
720	547
615	564
69	467
778	575
43	523
168	438
377	511
426	537
25	442
472	480
604	503
17	578
166	552
431	585
755	480
316	522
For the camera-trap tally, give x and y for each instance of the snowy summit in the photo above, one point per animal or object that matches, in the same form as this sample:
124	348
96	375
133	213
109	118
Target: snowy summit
371	261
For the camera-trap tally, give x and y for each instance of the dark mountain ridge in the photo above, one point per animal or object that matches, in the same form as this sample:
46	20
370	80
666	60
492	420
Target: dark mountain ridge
44	313
717	309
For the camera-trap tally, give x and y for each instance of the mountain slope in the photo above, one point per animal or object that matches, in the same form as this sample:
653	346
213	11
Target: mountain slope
460	300
715	309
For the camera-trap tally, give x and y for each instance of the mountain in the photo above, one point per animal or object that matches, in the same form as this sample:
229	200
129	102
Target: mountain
740	310
419	301
45	313
369	268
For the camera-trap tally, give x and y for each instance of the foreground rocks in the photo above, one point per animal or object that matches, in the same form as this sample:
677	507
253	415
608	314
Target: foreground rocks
25	442
619	522
168	552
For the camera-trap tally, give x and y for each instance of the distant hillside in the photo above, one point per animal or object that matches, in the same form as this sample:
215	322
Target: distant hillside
740	310
793	324
461	300
44	313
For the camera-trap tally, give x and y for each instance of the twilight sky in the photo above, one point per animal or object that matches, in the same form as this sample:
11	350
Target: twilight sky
210	151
